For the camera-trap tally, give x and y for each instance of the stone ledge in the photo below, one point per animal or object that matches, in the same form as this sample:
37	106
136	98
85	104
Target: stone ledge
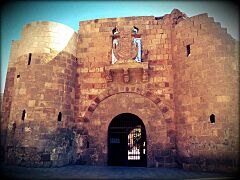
125	67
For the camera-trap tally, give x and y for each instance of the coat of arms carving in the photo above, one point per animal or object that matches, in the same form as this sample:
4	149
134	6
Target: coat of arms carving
126	46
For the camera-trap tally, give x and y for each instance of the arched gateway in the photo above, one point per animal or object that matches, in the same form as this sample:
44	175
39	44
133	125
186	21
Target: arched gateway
127	141
121	113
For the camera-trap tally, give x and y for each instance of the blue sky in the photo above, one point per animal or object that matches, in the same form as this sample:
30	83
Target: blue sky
16	14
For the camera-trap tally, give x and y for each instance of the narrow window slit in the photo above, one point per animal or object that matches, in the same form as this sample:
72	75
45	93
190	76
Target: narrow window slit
188	50
18	76
29	58
212	118
23	114
59	116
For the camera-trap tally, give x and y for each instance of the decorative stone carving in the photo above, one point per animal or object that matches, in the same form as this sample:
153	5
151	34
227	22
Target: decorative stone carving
125	67
109	76
124	49
126	46
126	75
127	54
145	75
138	42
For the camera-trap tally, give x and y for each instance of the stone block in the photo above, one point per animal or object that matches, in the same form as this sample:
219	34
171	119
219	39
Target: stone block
31	103
223	98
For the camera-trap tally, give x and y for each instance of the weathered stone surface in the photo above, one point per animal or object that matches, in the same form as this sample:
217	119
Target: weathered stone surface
71	92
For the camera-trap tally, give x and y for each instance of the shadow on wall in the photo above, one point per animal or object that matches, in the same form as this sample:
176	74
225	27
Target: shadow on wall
62	153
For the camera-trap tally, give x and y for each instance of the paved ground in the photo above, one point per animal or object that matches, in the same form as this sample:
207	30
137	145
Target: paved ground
106	172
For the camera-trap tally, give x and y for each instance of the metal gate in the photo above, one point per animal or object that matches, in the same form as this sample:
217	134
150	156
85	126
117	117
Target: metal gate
127	141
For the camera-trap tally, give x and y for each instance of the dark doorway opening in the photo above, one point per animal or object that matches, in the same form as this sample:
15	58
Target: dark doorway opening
127	141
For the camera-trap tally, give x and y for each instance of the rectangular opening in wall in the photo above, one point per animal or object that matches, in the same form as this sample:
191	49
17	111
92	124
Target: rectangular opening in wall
188	48
23	114
29	58
18	76
212	118
59	116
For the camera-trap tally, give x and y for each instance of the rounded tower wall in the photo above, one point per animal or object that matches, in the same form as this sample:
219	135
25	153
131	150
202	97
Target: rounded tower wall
43	99
47	37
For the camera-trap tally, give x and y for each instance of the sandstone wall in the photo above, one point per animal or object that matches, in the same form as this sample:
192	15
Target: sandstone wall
8	91
5	108
206	82
47	37
14	52
8	95
156	117
190	70
44	86
94	55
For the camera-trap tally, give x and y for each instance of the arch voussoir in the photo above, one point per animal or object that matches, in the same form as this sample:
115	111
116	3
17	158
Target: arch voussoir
164	106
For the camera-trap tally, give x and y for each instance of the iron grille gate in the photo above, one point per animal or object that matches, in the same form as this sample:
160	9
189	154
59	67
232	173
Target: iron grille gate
127	141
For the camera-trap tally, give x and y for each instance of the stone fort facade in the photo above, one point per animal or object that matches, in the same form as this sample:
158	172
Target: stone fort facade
171	83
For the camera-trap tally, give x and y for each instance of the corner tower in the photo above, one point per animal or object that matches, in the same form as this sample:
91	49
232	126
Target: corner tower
42	71
206	72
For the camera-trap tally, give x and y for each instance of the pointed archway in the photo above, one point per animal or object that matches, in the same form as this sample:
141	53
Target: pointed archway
127	141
